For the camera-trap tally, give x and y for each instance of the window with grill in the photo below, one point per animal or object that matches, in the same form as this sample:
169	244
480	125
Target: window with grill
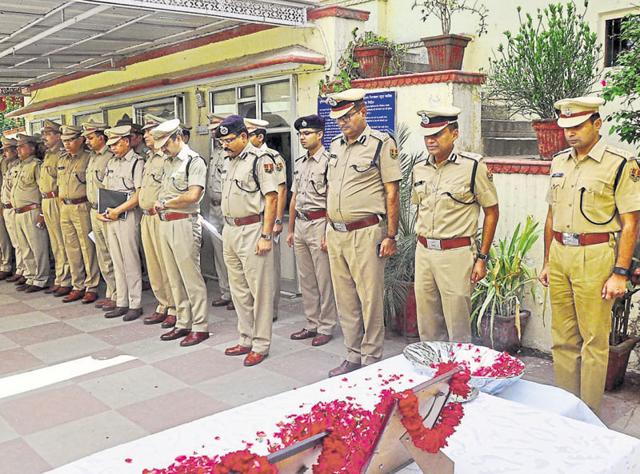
613	42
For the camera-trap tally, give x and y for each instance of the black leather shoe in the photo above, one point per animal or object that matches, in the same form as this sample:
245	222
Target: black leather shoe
116	313
132	314
175	333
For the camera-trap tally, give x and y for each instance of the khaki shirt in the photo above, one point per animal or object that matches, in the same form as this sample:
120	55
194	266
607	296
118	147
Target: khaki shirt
242	196
124	174
48	181
310	181
72	175
25	188
214	176
281	166
356	183
184	170
8	171
440	192
596	175
151	181
96	172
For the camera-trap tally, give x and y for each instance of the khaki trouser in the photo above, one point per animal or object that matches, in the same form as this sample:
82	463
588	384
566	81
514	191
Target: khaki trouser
251	281
105	262
216	218
180	242
581	319
315	276
81	253
160	285
443	293
122	238
358	281
277	272
6	249
34	245
51	212
10	222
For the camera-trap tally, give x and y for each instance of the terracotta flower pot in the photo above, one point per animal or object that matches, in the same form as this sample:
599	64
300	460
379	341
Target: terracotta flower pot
373	60
446	52
407	324
618	360
505	334
550	138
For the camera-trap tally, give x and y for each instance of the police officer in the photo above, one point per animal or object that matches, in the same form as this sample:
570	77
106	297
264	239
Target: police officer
185	175
258	137
124	174
307	229
30	229
93	132
48	183
363	187
75	218
214	193
594	194
449	188
152	177
8	239
249	198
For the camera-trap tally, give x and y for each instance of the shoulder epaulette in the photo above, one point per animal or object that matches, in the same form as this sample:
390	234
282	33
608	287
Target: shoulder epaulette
300	158
627	155
470	156
338	136
566	150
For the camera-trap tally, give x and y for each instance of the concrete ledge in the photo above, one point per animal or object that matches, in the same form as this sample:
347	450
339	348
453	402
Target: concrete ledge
459	77
338	12
518	165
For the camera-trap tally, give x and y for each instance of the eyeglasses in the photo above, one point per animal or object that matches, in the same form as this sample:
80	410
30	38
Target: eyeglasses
306	133
227	140
345	118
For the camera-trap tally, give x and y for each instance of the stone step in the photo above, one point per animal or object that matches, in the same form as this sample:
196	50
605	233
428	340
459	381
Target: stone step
507	128
494	146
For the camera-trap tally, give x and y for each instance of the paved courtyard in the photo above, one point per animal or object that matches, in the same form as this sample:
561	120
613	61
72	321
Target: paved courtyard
164	385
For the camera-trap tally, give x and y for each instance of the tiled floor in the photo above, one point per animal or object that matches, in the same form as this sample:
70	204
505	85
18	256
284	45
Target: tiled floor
165	385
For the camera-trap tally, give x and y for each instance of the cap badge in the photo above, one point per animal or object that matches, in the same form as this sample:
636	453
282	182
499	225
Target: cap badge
332	102
224	130
567	111
303	123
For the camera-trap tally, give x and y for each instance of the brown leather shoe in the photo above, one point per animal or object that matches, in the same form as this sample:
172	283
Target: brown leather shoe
344	368
253	358
62	291
52	289
20	281
237	350
22	287
194	337
155	318
304	334
321	339
230	306
73	295
101	302
175	333
4	275
89	297
14	278
116	313
34	288
169	322
132	314
220	302
109	306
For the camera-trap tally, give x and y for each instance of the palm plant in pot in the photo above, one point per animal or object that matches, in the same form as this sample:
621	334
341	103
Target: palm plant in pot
497	317
446	51
551	57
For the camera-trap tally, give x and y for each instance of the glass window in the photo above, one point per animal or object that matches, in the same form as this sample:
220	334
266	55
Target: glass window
247	92
79	119
224	102
613	42
168	108
276	104
247	109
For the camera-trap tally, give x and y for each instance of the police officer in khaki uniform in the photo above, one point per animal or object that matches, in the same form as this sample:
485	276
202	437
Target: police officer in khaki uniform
152	177
30	229
185	175
123	174
93	132
249	198
363	187
594	194
258	137
48	184
307	229
449	188
7	216
214	194
75	218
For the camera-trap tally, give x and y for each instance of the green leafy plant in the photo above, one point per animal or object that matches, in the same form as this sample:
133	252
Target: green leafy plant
624	82
445	10
9	104
551	57
501	292
369	39
399	270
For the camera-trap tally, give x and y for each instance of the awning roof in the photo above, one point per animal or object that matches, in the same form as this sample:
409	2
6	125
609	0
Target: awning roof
42	40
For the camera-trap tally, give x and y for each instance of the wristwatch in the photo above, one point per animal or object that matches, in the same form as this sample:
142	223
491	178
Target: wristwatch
482	256
621	271
278	222
265	236
392	237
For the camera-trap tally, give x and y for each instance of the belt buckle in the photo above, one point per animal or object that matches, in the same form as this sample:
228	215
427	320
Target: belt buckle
340	226
161	216
434	244
302	216
571	239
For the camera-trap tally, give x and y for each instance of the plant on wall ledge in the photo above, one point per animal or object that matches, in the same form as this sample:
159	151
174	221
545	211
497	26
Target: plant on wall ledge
352	63
445	10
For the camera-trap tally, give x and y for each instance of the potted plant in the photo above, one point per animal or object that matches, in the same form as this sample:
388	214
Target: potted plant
399	296
621	342
339	83
549	58
446	51
497	316
370	55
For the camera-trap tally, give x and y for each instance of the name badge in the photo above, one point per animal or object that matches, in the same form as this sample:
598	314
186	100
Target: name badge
557	175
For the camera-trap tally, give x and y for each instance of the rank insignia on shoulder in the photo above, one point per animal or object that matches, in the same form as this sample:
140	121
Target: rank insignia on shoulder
279	166
268	167
489	175
634	174
394	153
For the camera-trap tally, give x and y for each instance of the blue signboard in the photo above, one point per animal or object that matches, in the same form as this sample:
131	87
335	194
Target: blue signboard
381	114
